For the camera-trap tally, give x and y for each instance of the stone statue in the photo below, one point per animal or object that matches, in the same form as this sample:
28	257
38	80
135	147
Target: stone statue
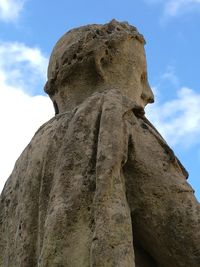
98	186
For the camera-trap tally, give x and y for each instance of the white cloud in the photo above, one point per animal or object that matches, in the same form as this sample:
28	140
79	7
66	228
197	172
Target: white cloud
178	120
10	9
19	61
20	113
175	7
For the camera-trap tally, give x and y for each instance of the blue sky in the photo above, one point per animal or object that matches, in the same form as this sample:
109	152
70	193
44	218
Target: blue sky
29	30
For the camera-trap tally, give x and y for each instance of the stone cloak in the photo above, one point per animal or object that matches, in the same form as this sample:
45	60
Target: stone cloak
87	192
65	203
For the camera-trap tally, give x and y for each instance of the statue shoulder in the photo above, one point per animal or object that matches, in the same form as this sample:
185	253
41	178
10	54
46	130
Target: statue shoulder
142	124
54	122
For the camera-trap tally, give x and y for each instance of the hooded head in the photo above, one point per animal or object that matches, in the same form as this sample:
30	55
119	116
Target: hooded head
95	58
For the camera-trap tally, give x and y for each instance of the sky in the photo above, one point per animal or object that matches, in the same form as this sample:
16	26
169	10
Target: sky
30	28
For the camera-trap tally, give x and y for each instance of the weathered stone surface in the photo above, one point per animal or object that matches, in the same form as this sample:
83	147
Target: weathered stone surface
97	185
97	58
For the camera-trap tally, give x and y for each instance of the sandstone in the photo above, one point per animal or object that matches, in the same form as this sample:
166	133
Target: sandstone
98	186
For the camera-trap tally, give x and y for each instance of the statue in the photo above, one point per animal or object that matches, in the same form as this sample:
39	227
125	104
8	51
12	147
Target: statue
98	186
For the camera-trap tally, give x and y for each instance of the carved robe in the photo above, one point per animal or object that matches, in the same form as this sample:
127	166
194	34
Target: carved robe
99	187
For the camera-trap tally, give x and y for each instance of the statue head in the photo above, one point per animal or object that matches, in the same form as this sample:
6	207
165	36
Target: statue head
96	58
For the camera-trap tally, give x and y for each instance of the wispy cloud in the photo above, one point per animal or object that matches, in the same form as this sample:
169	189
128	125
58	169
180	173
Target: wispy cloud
20	113
178	120
170	75
10	9
176	7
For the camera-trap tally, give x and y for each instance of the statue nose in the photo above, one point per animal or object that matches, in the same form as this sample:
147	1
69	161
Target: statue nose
151	100
147	95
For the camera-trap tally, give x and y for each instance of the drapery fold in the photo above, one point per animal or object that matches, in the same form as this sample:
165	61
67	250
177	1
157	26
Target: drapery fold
99	187
69	206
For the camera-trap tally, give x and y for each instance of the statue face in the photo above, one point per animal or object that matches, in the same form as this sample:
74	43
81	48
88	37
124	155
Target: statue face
142	90
131	72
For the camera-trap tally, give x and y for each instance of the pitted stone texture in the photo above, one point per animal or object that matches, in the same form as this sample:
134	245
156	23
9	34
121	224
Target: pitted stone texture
98	186
87	191
97	58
